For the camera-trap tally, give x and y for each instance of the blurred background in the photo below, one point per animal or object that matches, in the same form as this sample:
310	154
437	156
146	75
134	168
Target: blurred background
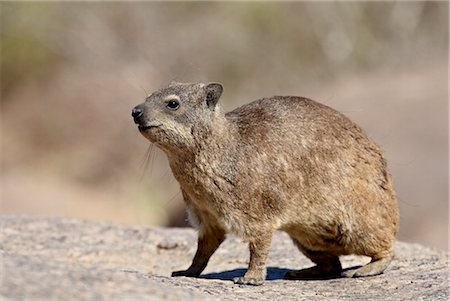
71	72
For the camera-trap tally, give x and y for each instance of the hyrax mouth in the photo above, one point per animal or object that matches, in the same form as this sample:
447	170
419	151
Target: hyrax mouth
148	127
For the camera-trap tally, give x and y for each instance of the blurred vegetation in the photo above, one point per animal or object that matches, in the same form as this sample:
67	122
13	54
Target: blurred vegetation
36	36
71	71
23	54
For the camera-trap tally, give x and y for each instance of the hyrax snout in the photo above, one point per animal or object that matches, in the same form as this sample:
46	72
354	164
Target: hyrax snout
280	163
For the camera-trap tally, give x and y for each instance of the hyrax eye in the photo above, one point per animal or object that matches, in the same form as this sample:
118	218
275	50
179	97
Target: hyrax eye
172	104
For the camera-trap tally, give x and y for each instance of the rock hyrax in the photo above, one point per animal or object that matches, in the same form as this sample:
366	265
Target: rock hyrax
280	163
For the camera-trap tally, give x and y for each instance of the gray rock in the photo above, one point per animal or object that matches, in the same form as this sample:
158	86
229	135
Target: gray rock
66	259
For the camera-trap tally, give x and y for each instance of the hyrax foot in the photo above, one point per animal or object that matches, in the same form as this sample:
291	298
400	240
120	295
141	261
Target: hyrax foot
248	281
259	249
313	273
375	267
186	273
327	266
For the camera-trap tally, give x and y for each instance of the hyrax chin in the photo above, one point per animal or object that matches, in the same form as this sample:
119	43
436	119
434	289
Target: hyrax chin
280	163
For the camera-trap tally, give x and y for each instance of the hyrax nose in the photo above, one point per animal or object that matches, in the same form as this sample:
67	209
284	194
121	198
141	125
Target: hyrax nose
137	113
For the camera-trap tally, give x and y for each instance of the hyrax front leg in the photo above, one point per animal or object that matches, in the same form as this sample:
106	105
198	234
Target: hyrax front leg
256	273
208	242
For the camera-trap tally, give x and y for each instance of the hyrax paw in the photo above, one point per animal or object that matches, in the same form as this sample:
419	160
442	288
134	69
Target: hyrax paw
349	274
247	281
185	273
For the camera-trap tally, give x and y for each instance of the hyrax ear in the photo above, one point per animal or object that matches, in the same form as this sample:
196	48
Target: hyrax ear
213	92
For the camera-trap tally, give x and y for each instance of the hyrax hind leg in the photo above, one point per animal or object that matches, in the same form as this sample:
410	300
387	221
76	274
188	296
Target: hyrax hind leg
327	265
375	267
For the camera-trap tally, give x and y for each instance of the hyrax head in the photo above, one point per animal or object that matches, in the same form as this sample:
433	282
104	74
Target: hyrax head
169	115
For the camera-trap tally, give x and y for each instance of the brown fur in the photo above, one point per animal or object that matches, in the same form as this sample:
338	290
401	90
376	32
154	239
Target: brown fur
281	163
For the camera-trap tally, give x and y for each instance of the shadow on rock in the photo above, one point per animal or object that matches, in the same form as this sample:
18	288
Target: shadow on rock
273	273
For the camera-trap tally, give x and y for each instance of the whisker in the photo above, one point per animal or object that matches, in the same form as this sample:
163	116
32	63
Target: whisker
172	199
136	82
167	176
143	89
148	161
409	204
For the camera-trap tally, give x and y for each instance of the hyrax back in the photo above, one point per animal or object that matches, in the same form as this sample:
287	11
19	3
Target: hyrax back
280	163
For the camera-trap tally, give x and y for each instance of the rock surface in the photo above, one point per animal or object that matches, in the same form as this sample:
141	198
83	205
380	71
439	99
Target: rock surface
64	259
